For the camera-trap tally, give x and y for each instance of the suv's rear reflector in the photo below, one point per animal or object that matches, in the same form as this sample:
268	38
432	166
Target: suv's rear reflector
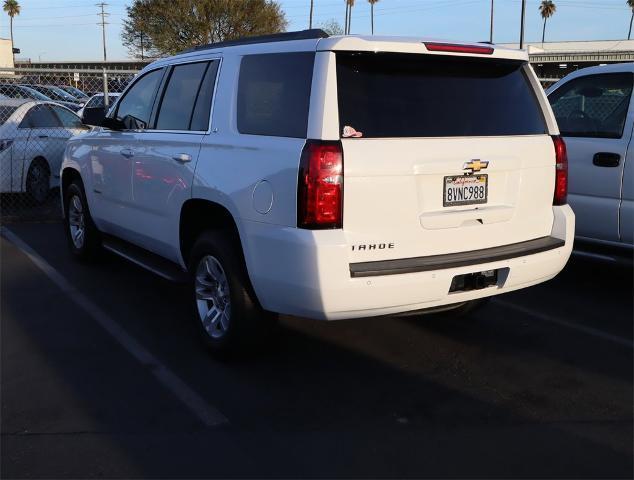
320	185
456	48
561	171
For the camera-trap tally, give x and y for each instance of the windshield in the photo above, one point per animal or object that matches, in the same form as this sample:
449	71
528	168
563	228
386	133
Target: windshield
75	92
97	101
411	95
34	94
62	94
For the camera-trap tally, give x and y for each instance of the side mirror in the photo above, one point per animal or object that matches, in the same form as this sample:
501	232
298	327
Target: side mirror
112	123
93	116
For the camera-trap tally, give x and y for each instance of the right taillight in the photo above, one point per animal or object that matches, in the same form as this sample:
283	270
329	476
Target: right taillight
561	172
320	185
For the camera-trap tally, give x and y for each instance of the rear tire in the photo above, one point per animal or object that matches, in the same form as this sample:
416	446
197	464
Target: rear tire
84	240
38	181
227	314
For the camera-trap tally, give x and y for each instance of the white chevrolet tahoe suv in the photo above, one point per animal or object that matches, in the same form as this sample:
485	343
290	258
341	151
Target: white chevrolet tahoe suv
326	177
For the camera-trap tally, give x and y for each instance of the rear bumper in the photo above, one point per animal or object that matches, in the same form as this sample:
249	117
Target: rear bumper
306	273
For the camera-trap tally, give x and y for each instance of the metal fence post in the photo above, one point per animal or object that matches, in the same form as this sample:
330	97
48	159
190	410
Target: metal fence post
106	103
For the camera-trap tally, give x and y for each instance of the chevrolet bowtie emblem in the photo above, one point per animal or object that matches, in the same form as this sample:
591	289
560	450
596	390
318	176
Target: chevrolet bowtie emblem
475	165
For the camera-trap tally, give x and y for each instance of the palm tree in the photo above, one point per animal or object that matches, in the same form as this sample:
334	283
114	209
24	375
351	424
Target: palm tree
345	22
547	9
310	21
630	3
350	4
372	2
12	7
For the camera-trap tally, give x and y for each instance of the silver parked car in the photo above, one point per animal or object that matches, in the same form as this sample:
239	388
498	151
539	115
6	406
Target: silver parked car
33	136
595	115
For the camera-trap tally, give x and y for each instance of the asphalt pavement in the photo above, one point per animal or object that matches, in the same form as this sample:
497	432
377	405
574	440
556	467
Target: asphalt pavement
102	376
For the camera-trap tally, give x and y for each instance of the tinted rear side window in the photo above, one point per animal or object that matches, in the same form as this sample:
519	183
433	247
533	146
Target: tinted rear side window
200	117
180	96
274	94
405	95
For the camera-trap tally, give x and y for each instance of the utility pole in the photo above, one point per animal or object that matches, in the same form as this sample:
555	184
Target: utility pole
522	24
103	24
491	34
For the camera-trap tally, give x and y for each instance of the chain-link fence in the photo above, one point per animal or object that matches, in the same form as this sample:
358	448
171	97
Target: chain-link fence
40	109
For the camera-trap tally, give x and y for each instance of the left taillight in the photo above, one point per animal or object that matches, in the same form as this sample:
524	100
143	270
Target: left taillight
320	185
561	171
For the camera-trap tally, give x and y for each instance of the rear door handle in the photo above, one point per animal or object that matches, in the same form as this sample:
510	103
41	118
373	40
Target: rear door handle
606	159
42	136
182	157
126	152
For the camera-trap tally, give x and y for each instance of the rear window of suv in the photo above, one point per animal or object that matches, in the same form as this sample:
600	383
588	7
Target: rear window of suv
406	95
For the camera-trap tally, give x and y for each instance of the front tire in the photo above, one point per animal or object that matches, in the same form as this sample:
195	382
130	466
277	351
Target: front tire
226	311
83	237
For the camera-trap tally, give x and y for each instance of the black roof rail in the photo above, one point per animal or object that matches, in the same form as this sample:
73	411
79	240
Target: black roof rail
276	37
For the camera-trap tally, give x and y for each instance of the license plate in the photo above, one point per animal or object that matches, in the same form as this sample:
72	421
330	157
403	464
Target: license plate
465	190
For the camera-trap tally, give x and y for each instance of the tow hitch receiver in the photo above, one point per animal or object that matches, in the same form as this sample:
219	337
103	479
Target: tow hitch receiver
474	281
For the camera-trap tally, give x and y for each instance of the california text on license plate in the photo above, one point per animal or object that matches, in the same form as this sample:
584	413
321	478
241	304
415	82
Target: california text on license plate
465	190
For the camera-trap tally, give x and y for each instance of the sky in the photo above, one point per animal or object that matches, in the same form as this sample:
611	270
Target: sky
67	29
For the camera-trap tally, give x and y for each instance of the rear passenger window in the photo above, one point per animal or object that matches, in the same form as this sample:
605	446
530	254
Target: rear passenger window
40	116
179	97
593	105
274	94
200	118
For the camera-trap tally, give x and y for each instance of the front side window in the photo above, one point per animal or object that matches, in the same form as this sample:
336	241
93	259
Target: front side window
135	107
410	95
274	94
179	98
593	105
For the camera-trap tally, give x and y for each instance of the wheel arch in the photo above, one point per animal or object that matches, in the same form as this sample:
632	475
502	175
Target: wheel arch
67	176
27	166
198	215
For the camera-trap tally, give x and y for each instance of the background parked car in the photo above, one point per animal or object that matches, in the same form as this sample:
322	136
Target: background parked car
93	110
59	95
33	136
12	90
75	92
596	117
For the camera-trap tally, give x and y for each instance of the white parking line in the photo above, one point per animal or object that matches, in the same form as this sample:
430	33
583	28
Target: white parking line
205	412
564	323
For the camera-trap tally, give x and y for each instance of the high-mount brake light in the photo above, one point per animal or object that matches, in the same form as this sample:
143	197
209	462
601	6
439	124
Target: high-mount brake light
561	171
320	186
457	48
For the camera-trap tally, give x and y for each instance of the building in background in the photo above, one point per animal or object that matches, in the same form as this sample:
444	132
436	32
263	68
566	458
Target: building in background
554	60
6	53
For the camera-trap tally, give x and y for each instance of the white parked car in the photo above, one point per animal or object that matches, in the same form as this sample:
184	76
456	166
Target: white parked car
595	115
328	178
96	101
33	135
